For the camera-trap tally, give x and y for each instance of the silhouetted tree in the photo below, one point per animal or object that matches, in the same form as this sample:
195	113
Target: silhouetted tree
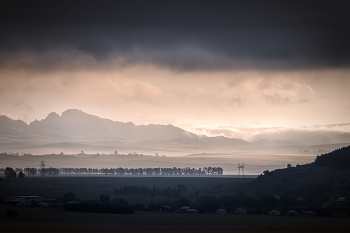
10	173
209	204
182	187
267	173
21	174
182	201
104	199
69	197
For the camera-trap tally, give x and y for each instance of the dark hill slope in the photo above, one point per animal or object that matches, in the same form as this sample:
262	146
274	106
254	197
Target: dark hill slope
302	181
328	176
339	159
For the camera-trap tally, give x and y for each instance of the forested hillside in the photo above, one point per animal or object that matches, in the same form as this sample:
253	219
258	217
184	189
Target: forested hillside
339	159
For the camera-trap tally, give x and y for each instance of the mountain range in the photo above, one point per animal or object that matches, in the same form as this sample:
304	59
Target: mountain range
76	129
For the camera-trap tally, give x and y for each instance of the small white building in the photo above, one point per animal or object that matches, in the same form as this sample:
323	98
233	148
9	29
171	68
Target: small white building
165	209
309	213
45	204
325	204
241	211
221	211
293	213
23	198
72	202
184	208
275	213
341	201
193	211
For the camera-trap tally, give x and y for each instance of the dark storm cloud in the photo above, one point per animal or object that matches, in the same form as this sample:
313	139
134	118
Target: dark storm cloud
178	34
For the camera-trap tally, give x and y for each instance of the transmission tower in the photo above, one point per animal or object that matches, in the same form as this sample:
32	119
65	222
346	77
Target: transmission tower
243	169
42	168
239	170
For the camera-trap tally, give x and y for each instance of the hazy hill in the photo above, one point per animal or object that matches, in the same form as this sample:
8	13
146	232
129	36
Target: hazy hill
77	127
12	127
79	124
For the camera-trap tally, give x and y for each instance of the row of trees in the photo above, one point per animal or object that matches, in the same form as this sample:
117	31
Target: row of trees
254	205
146	171
203	204
187	171
104	205
31	171
10	173
143	190
49	171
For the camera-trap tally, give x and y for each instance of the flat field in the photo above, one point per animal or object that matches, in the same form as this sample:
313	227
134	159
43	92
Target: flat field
31	219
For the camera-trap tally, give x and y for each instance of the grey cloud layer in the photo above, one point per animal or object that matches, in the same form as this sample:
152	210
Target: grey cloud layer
175	34
308	135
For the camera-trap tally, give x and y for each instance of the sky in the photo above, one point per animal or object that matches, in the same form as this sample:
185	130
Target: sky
241	69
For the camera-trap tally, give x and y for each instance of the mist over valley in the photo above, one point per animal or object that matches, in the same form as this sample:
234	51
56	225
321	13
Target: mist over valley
60	141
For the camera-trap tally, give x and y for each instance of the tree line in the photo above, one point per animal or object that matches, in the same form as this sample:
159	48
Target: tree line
146	171
143	190
117	206
10	173
187	171
103	205
203	204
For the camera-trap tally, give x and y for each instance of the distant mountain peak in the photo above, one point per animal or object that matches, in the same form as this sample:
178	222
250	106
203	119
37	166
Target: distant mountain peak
76	126
4	118
73	112
53	116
